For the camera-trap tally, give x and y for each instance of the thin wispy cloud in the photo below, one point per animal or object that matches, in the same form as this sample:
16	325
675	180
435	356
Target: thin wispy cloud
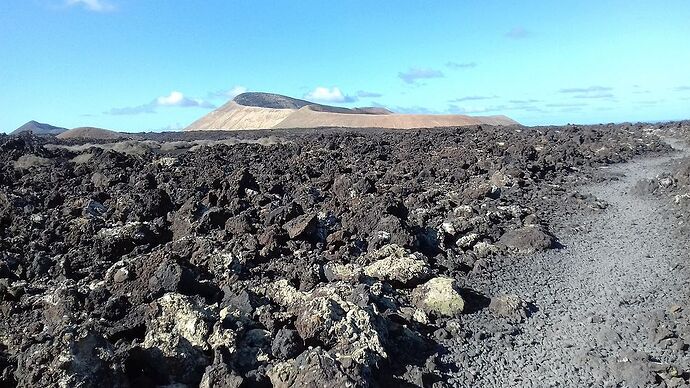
472	98
458	65
565	105
174	99
91	5
594	95
683	88
637	89
517	33
228	94
591	92
132	110
365	94
571	109
415	109
457	109
329	95
531	101
454	108
462	110
591	89
414	74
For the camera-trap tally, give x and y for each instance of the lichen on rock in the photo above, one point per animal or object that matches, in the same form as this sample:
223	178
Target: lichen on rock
395	264
325	316
439	297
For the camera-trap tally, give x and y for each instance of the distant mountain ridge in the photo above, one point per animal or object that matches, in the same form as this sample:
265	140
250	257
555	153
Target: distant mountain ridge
39	129
278	101
256	110
270	100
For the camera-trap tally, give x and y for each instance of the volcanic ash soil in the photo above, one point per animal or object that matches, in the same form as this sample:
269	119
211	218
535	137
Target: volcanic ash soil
318	258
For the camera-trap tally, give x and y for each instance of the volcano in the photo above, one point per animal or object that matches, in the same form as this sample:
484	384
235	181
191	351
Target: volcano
256	110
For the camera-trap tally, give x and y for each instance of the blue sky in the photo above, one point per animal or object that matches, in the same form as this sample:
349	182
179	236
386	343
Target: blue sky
154	64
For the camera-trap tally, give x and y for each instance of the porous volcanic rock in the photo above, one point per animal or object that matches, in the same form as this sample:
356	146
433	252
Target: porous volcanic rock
511	307
394	264
527	240
290	258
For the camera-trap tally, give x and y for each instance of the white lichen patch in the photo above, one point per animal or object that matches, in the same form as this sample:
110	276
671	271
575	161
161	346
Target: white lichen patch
393	263
178	323
324	314
344	272
467	241
439	296
120	231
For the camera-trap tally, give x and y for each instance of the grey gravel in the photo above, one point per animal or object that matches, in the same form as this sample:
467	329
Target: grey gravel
609	308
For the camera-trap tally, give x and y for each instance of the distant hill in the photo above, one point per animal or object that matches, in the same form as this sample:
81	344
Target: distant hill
39	129
278	101
270	100
91	133
256	110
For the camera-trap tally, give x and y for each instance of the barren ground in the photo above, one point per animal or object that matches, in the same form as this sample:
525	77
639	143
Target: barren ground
606	304
332	257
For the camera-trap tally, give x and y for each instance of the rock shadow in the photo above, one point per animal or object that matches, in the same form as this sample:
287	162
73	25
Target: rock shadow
474	301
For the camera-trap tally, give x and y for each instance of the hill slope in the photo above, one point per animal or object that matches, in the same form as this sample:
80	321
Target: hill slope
311	118
91	133
39	129
270	100
269	111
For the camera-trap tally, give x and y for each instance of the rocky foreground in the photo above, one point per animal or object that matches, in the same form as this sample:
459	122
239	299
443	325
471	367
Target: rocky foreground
331	258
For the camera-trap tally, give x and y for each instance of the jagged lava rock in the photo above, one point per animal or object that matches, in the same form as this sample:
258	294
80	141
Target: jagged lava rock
527	240
394	264
511	307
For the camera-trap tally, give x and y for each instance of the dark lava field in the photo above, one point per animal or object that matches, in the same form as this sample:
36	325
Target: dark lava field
321	258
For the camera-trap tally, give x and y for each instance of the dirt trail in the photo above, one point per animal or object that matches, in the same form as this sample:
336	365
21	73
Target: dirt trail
610	304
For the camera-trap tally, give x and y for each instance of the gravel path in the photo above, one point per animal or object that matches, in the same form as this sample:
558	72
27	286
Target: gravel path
611	304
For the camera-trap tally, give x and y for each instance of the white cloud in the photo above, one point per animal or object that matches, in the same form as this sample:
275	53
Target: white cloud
176	98
236	91
92	5
323	94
